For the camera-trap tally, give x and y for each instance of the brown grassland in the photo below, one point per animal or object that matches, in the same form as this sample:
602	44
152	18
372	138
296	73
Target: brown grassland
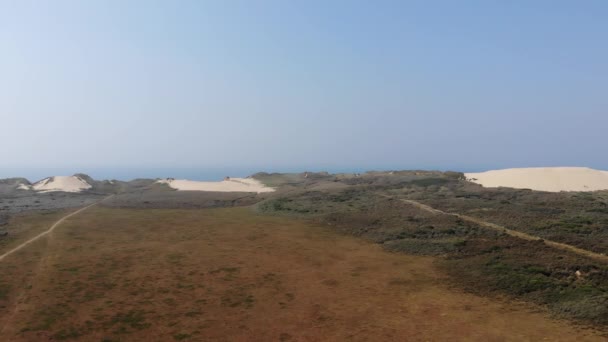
27	225
233	275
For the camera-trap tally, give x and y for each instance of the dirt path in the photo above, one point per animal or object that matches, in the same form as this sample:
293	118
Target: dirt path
55	225
514	233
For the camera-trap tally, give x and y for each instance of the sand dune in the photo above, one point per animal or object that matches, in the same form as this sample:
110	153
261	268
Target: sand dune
552	179
24	187
61	183
229	185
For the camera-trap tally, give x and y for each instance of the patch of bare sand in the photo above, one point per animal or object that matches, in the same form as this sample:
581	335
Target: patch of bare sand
227	185
60	183
552	179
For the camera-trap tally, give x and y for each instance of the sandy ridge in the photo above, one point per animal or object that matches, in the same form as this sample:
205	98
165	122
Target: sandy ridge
58	183
551	179
227	185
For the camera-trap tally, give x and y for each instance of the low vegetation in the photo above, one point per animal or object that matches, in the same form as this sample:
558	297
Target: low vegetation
231	274
481	260
119	272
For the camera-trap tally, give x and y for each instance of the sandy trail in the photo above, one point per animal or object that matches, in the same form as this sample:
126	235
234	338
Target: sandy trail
46	232
511	232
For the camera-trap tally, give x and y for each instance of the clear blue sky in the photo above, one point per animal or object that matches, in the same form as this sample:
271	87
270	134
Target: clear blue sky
464	85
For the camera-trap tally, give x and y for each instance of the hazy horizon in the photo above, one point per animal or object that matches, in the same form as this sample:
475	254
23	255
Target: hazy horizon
110	87
199	174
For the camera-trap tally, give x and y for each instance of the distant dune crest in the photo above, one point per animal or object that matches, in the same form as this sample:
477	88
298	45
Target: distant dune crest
81	182
58	183
227	185
551	179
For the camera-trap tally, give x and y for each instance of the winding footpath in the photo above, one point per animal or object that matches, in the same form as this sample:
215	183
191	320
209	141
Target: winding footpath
48	231
511	232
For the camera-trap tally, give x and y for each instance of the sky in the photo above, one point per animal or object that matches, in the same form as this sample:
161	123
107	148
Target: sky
301	85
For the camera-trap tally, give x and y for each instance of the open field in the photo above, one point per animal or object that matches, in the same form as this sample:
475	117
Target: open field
25	226
230	274
444	216
24	244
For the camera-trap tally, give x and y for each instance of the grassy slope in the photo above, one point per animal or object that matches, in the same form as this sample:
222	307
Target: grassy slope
491	262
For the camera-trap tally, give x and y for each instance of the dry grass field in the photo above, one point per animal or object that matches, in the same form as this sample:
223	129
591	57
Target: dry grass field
233	275
26	225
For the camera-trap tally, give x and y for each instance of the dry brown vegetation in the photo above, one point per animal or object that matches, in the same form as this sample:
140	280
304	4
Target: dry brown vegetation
24	226
560	266
232	275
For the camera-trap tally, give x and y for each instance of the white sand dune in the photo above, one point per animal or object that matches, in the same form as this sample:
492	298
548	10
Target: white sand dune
229	185
61	183
552	179
24	187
